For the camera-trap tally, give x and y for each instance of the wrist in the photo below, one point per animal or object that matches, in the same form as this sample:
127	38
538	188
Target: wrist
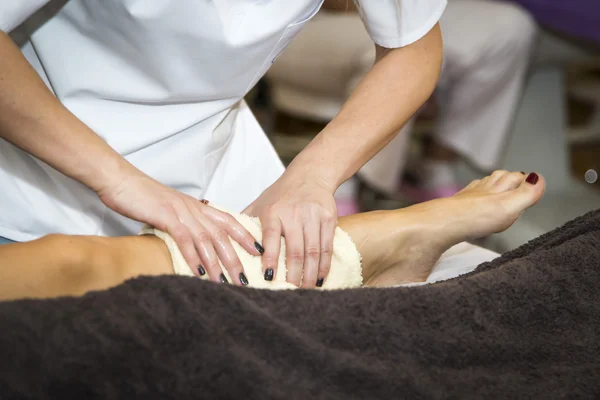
319	173
327	158
108	172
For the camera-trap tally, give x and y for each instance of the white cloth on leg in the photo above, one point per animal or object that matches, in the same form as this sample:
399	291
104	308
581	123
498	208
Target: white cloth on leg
345	271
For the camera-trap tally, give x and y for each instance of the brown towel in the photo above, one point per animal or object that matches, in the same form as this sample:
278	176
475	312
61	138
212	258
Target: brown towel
526	325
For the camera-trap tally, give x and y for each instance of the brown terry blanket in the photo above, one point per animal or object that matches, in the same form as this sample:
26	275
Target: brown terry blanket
524	326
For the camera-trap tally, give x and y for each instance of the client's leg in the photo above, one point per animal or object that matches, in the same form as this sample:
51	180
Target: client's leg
396	246
402	246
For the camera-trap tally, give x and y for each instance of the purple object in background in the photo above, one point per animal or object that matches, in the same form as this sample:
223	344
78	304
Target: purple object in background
579	18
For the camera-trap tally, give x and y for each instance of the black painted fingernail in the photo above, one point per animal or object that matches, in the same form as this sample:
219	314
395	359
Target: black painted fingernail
223	279
269	274
523	172
201	270
259	247
243	279
319	282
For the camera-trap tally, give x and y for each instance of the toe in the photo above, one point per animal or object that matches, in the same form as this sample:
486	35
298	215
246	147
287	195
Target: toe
471	185
509	181
529	192
497	176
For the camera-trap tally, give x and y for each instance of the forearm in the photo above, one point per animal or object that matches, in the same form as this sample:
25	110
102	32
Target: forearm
387	97
59	265
33	119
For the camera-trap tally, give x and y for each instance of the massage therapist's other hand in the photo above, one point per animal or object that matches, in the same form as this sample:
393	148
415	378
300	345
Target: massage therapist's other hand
302	209
201	231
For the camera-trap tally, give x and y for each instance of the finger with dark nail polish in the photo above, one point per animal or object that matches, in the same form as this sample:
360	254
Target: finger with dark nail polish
201	270
223	279
269	274
532	178
320	282
523	172
259	248
243	279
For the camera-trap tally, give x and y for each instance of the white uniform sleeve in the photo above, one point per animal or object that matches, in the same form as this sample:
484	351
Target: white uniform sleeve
14	12
398	23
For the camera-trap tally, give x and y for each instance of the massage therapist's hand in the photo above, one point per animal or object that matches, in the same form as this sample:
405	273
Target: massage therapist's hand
303	210
201	232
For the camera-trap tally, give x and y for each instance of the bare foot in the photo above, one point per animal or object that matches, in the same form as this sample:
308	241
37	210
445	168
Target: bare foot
402	246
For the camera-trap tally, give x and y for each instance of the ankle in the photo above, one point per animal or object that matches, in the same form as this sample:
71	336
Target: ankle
431	223
393	240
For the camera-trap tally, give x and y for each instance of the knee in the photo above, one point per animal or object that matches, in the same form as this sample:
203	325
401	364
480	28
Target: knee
82	261
69	255
66	247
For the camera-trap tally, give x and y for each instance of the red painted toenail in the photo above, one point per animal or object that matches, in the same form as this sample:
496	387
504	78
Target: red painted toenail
532	178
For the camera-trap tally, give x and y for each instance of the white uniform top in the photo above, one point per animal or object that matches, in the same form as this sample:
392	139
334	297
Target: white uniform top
162	82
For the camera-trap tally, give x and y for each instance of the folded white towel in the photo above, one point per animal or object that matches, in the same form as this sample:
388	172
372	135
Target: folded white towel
345	272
